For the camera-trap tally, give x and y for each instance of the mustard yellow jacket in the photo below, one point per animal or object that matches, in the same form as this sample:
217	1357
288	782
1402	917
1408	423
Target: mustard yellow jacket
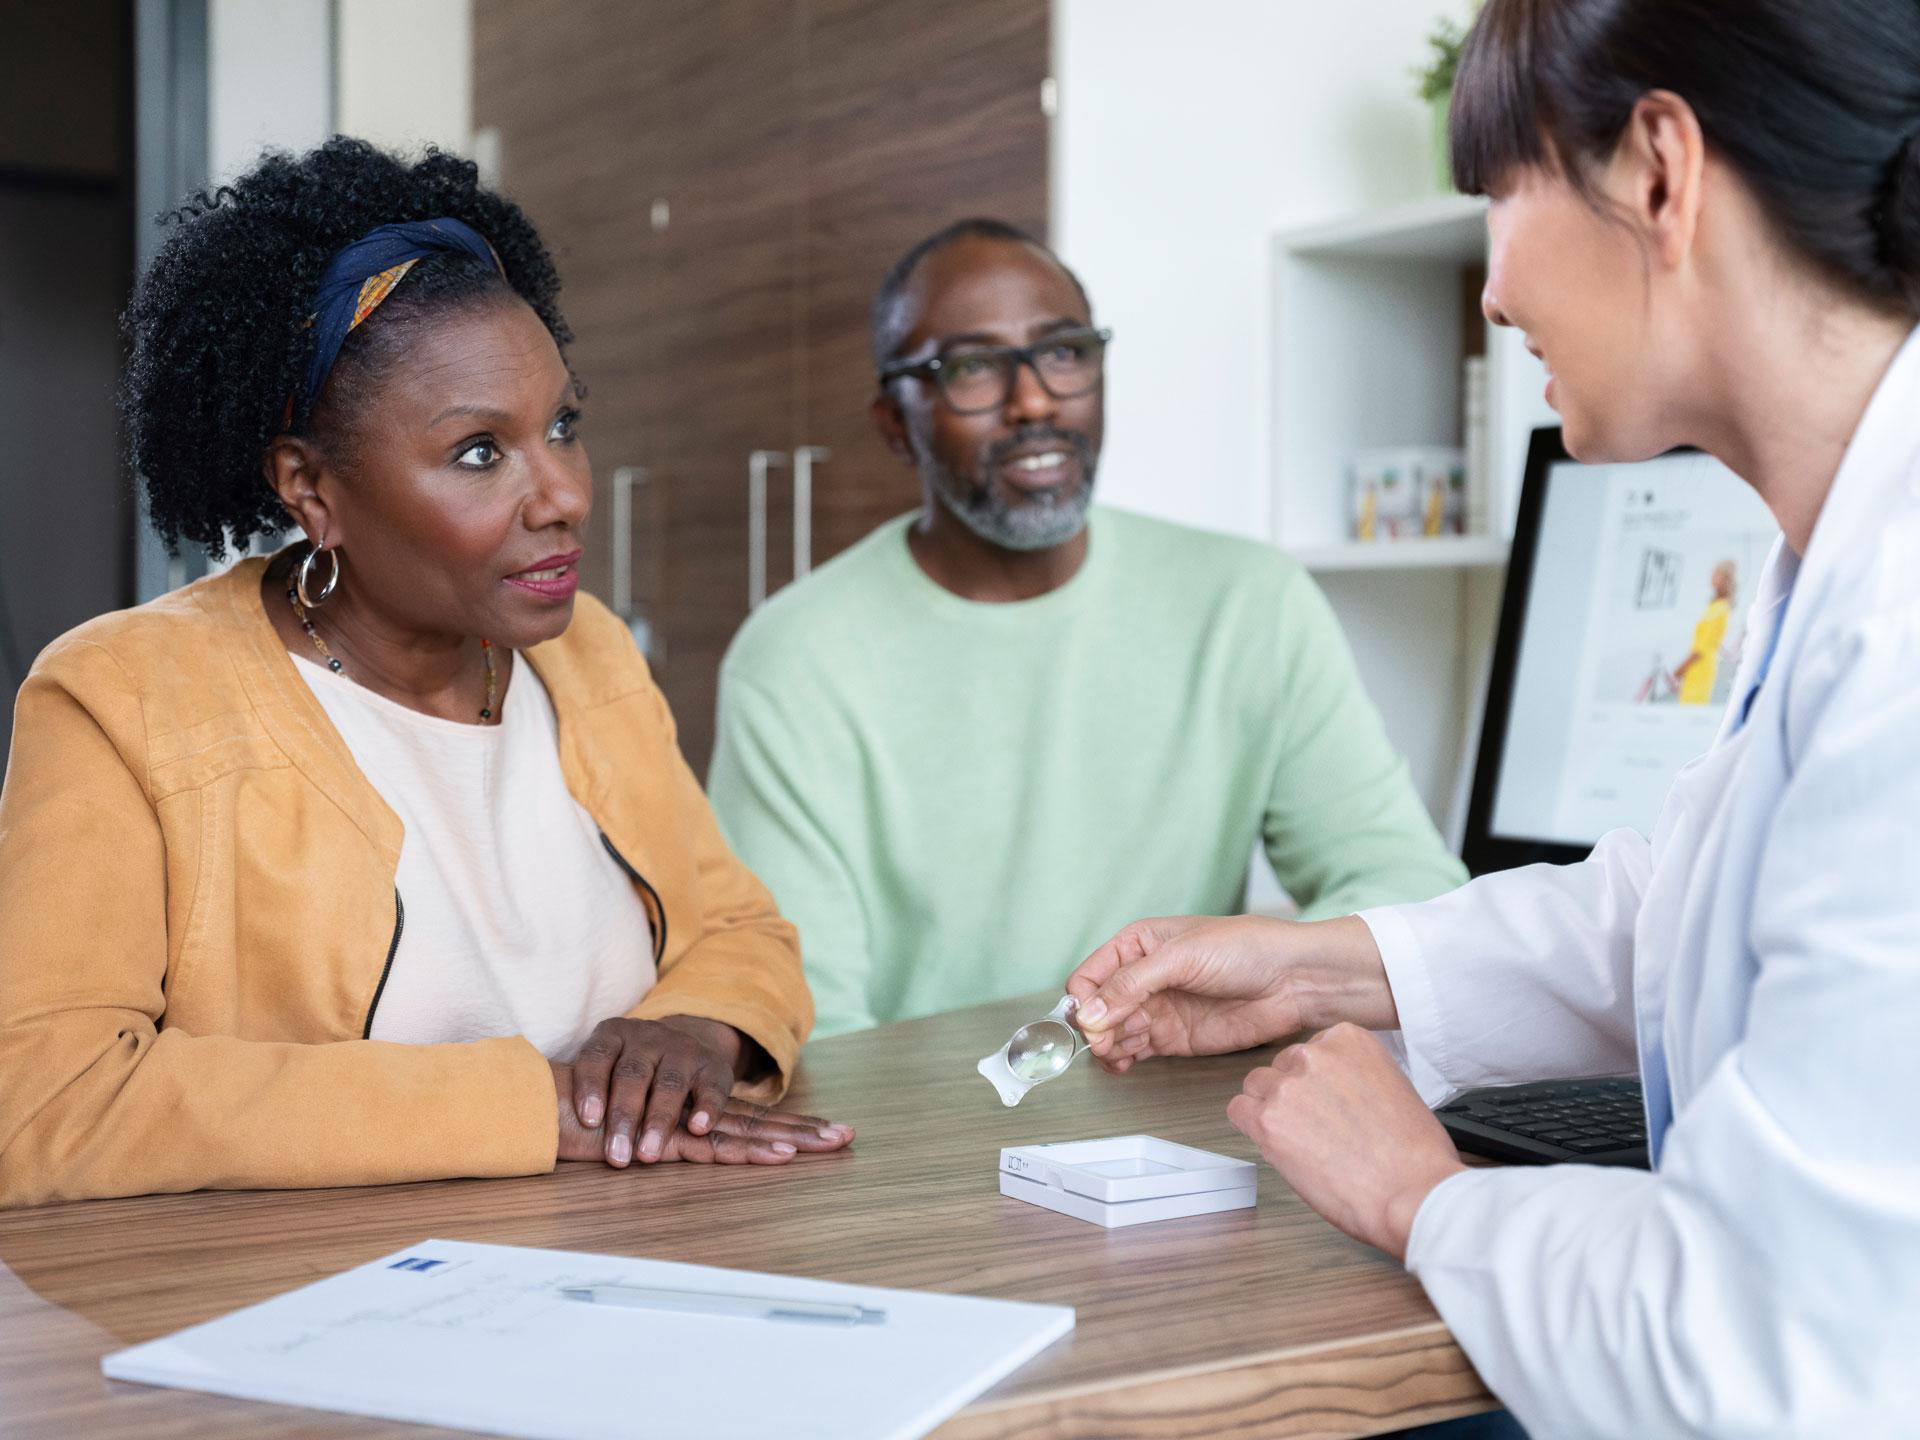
198	912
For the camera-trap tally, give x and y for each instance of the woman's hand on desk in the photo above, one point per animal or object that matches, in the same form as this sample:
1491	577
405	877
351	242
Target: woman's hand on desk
743	1133
636	1082
1345	1129
1200	985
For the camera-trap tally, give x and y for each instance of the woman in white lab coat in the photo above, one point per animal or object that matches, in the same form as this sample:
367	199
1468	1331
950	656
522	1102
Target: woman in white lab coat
1706	219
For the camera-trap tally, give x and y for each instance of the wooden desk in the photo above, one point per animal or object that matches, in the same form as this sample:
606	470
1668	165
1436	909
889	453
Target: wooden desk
1264	1322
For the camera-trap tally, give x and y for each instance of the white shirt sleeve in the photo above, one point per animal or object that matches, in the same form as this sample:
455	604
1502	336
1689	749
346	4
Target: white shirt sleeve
1523	975
1764	1282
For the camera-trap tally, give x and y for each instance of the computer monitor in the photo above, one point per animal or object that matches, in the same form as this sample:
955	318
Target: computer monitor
1619	574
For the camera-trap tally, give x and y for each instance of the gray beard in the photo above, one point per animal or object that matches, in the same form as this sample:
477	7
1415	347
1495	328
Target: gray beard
1039	522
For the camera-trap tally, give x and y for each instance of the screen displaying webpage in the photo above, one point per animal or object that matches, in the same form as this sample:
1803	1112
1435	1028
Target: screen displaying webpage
1642	578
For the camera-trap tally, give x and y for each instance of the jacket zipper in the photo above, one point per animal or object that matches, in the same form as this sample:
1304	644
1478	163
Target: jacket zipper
399	924
649	897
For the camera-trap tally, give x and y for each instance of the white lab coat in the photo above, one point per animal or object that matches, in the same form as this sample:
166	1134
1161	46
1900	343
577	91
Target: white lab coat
1760	959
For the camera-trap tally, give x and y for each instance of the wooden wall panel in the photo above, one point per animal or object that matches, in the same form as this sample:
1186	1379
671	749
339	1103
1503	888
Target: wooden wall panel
725	317
798	146
684	319
570	90
915	115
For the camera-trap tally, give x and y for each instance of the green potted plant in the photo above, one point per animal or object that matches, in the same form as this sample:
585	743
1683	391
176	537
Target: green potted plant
1435	80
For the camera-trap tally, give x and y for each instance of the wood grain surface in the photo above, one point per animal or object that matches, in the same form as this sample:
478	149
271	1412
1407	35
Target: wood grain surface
914	116
723	185
1263	1322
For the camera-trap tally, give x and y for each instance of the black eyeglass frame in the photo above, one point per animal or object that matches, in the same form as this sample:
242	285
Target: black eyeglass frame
1018	355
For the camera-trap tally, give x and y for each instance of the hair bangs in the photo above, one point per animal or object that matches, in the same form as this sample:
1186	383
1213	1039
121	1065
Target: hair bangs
1496	124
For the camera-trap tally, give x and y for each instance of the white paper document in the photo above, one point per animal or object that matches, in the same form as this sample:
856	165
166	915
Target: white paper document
479	1337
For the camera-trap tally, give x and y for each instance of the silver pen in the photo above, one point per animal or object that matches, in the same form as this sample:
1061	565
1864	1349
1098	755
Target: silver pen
702	1302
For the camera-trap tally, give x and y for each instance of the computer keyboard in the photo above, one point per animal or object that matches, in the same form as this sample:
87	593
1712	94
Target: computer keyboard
1592	1122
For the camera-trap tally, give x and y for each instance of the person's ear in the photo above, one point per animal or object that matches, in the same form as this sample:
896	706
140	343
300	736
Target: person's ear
1662	158
891	423
293	466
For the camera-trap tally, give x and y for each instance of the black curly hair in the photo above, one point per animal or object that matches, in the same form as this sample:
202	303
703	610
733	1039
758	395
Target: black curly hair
218	324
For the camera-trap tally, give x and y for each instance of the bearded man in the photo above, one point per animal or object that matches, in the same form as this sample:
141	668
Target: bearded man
974	745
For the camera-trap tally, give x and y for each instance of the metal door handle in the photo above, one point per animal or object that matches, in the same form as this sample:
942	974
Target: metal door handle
803	462
624	479
758	463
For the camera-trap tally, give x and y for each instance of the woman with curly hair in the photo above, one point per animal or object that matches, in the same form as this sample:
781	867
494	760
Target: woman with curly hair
375	860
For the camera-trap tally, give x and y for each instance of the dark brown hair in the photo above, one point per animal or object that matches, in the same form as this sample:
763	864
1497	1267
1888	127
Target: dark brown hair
1814	103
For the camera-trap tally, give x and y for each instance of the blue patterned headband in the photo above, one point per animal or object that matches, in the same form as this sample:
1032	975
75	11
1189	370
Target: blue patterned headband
364	273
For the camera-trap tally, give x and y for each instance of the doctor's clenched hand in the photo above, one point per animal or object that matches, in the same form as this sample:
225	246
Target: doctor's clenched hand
1345	1129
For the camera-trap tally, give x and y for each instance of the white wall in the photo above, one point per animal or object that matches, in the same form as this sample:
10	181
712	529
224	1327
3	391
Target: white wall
405	72
1188	131
269	79
288	73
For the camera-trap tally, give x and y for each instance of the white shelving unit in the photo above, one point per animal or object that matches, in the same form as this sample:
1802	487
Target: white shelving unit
1447	552
1369	318
1369	323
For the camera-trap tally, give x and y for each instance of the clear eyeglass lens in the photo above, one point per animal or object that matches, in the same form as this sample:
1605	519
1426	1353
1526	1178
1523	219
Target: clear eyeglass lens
975	381
1072	365
983	379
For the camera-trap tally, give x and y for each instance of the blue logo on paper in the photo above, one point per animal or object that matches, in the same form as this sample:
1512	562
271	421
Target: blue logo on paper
415	1263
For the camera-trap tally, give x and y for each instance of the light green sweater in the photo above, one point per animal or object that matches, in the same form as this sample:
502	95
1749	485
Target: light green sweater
956	801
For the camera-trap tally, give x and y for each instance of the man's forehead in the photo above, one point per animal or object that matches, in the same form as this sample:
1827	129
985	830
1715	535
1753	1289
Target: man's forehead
1000	288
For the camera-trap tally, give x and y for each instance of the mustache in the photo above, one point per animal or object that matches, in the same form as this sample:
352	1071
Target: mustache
993	453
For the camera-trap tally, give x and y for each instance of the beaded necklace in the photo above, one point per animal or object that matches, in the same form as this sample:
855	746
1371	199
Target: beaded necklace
333	661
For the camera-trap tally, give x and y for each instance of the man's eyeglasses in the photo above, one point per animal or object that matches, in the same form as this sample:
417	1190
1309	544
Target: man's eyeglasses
974	379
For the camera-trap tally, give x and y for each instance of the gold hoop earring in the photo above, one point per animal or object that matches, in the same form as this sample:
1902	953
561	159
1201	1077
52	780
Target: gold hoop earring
303	578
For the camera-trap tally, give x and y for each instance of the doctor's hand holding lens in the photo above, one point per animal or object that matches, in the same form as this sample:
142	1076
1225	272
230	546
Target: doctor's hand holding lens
1705	218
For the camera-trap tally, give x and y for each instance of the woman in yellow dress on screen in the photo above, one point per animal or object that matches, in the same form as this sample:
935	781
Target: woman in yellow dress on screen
1701	668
